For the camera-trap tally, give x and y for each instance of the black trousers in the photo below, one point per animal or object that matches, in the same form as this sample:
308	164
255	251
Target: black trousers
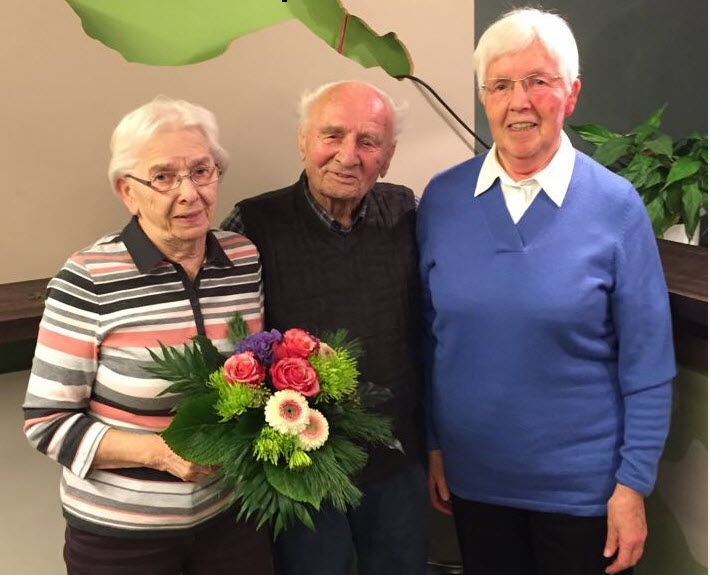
497	540
225	547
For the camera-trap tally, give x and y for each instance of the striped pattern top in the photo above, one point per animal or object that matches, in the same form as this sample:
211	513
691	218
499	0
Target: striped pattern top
108	305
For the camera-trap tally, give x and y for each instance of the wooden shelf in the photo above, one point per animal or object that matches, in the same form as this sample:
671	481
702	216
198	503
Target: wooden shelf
21	307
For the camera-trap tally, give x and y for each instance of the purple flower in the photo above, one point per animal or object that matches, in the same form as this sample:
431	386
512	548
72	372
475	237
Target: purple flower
260	345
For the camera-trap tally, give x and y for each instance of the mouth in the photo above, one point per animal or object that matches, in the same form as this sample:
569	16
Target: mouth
521	126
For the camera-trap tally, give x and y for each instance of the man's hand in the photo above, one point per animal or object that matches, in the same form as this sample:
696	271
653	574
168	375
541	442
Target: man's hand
626	528
438	489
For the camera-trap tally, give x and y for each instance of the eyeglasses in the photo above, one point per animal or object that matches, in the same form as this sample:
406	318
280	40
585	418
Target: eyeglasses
536	83
167	180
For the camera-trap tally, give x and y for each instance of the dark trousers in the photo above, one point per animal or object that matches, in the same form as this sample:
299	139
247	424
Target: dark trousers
387	532
225	547
498	540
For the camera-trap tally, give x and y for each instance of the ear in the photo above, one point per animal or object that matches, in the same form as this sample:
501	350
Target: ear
387	159
302	145
571	102
124	190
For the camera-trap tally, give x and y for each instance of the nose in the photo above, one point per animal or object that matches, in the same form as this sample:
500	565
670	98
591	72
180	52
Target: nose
347	152
187	189
519	95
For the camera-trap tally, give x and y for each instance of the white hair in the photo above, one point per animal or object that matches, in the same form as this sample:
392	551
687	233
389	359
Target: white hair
516	30
162	113
308	98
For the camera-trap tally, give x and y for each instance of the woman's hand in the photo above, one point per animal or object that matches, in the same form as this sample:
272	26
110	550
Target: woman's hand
120	449
436	481
626	528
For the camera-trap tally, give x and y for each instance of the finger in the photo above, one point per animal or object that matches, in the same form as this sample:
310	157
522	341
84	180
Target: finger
622	561
612	541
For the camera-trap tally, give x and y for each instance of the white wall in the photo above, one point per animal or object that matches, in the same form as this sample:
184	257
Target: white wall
63	93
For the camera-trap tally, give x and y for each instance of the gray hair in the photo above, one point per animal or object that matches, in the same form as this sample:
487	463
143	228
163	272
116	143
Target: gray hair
516	30
162	113
308	98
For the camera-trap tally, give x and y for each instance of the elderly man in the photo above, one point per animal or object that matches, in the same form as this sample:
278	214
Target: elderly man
131	504
550	355
338	251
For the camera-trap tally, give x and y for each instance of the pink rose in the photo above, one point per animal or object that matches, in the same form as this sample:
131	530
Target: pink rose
295	373
295	343
244	368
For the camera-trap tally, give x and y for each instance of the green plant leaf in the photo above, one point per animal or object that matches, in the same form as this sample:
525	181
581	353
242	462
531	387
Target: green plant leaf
613	149
195	433
661	144
692	203
643	171
593	133
682	168
179	32
237	329
656	212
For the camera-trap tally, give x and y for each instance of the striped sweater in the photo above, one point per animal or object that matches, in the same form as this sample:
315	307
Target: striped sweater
109	305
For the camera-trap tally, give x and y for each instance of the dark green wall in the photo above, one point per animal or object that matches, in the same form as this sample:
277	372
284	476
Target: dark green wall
635	55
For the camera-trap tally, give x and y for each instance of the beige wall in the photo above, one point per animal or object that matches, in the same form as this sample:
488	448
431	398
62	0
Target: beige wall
62	94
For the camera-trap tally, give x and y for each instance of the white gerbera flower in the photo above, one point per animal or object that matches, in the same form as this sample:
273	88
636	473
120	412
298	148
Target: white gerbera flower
287	412
316	432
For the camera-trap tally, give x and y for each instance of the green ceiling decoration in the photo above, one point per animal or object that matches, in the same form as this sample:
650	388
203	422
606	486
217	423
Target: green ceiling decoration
179	32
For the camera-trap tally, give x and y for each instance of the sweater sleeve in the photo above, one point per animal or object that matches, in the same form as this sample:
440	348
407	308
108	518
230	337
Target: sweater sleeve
63	373
646	363
427	310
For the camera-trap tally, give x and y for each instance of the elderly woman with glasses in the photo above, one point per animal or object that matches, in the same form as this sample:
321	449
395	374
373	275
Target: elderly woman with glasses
548	338
130	503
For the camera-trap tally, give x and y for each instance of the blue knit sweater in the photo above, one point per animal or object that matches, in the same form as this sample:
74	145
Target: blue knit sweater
549	349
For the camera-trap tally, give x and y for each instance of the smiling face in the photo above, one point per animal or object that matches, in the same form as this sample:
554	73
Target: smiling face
176	221
527	127
346	143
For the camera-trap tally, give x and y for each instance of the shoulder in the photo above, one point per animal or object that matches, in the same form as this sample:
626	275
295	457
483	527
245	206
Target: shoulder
393	194
267	199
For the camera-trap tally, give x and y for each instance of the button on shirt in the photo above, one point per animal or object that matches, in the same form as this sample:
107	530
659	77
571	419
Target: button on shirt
553	178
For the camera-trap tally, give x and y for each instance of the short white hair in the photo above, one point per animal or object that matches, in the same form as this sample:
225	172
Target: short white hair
162	113
516	30
309	97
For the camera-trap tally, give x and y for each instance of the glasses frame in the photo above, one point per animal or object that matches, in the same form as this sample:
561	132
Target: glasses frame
524	82
180	178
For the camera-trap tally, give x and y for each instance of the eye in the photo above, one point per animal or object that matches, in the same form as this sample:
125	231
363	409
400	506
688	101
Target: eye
201	171
501	85
539	81
163	177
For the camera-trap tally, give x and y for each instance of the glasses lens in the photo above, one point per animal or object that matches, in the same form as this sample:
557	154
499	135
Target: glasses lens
164	181
203	175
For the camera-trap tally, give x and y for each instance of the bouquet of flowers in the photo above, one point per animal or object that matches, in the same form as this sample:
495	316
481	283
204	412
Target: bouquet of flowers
283	418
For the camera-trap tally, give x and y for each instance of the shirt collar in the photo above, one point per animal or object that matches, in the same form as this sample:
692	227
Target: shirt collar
553	178
325	217
147	256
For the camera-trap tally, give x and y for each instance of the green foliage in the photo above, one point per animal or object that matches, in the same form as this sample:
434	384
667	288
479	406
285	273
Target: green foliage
237	328
273	478
235	398
189	370
671	176
337	375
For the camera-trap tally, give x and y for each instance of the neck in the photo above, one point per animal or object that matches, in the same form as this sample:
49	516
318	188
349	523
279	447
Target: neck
189	255
341	210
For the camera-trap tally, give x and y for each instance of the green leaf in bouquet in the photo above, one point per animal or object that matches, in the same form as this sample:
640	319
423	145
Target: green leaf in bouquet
196	433
189	370
371	394
295	484
339	339
358	424
237	329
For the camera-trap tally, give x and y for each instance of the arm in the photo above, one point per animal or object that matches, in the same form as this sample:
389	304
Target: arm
436	482
646	367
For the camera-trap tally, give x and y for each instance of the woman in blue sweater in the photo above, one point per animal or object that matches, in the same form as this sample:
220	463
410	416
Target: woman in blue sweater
549	346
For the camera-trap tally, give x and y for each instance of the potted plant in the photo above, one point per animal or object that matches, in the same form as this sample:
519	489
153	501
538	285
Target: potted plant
671	176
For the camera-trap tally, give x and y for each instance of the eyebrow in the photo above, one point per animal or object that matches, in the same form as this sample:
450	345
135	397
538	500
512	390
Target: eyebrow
172	167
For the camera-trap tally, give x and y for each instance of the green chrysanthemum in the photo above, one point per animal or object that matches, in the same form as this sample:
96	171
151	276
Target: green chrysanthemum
271	445
236	398
337	375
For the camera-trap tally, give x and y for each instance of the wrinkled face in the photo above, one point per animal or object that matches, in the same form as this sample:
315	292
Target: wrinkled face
180	217
526	127
346	144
